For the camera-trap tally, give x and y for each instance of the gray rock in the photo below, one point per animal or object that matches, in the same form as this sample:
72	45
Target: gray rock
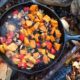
3	2
63	3
75	8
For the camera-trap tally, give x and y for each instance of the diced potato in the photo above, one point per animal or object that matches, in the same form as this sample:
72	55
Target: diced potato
58	33
10	54
32	43
19	15
39	14
24	31
23	51
4	46
33	12
54	23
33	8
29	32
48	37
31	16
43	36
43	51
36	25
33	36
23	22
24	60
15	60
12	47
26	41
32	28
16	55
36	55
51	56
43	44
36	37
52	38
32	60
46	59
53	30
30	65
36	20
27	56
43	28
41	24
29	23
46	18
2	49
57	46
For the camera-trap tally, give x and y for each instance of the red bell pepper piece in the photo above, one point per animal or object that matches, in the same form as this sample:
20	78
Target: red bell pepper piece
21	56
26	9
21	37
38	60
22	65
49	45
15	12
38	44
53	51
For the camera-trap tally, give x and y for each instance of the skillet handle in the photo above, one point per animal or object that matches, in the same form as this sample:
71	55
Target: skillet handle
71	37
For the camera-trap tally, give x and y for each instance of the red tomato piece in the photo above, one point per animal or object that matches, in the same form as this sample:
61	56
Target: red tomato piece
49	45
53	51
21	56
38	60
21	37
26	9
10	34
8	41
22	65
15	12
38	44
19	64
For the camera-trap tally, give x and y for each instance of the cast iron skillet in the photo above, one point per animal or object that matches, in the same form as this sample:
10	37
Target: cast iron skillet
65	37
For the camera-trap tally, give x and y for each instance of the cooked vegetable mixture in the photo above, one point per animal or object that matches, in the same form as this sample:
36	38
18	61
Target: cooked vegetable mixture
36	39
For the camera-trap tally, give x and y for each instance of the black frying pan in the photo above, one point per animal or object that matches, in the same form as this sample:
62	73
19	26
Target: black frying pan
65	37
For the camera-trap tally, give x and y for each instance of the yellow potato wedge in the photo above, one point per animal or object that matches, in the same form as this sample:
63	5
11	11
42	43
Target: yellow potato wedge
51	56
46	59
32	60
33	8
23	51
36	37
32	43
36	25
36	55
29	23
57	46
43	51
46	18
31	17
54	23
43	28
12	47
26	41
40	15
58	33
31	65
